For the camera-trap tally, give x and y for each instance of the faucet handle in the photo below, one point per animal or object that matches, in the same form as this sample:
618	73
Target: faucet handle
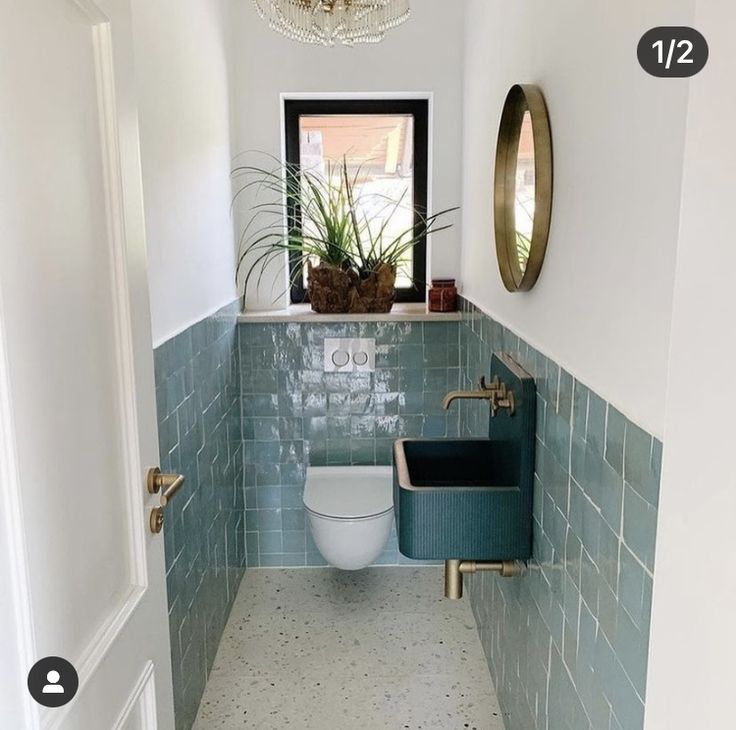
495	383
503	398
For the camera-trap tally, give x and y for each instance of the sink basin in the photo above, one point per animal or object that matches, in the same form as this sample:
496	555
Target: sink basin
471	499
456	463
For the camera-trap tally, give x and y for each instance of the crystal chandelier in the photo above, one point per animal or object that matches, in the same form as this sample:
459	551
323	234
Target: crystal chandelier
328	22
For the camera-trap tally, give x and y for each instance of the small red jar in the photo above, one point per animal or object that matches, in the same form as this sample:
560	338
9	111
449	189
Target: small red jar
443	296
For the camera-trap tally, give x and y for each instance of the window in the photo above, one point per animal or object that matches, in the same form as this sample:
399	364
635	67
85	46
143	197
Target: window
387	141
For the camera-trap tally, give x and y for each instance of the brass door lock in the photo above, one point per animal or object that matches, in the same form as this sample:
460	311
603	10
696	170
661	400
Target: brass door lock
155	482
156	521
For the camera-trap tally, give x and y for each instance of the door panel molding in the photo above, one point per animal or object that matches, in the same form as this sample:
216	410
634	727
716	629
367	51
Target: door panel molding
112	172
92	10
112	626
12	510
142	698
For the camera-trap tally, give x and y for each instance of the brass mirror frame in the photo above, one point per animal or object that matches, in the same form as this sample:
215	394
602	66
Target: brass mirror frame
520	99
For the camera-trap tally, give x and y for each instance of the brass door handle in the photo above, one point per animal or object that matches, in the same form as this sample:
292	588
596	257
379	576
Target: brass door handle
170	484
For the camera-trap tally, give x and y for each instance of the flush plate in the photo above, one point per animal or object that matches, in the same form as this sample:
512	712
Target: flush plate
350	355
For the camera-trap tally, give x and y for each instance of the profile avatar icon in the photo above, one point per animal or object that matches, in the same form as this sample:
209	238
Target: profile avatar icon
53	681
53	687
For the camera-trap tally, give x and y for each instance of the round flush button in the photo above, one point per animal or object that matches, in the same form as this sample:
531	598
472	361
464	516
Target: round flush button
340	358
360	358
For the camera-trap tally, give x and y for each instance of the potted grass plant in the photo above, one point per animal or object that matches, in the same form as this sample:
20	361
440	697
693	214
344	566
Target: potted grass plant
321	220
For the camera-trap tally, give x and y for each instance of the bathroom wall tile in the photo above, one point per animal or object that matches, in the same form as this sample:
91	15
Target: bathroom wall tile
640	527
608	610
294	415
581	615
567	643
611	496
565	396
338	451
411	402
270	542
595	432
579	409
627	645
198	391
631	585
615	433
410	332
642	463
362	451
411	357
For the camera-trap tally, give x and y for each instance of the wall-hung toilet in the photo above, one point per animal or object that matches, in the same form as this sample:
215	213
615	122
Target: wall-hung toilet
350	511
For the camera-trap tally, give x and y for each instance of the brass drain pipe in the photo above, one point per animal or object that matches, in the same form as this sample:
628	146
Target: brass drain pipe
454	570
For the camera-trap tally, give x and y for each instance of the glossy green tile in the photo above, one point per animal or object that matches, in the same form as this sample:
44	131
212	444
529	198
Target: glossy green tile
198	387
596	427
266	429
339	427
615	433
627	645
611	496
565	396
294	541
639	527
411	402
631	577
384	451
579	409
435	379
362	427
387	426
641	467
270	542
362	451
576	587
410	333
411	357
338	404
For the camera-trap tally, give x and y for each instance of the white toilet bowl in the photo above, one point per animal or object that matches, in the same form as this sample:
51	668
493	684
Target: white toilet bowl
350	512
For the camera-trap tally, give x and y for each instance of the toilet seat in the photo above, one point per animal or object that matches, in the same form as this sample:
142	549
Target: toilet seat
334	493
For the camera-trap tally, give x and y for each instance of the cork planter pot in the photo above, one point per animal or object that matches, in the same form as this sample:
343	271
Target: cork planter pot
333	290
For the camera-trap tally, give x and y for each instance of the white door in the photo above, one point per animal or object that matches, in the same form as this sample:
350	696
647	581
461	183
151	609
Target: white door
81	575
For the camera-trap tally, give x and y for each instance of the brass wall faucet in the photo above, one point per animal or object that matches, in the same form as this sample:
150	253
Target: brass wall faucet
497	394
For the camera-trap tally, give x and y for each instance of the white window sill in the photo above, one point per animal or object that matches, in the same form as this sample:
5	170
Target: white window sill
303	313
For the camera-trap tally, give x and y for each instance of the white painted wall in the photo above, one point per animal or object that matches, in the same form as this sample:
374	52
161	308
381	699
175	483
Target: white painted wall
425	54
182	68
692	673
603	303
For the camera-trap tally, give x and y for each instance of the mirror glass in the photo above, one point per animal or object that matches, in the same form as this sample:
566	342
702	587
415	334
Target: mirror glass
525	192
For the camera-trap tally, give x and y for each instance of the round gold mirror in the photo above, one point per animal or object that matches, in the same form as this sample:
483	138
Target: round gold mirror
523	187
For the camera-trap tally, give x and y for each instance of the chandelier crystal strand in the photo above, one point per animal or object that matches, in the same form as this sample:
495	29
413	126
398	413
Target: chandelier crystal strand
328	22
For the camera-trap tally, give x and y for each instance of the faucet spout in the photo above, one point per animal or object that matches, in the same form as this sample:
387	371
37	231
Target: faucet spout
496	393
467	395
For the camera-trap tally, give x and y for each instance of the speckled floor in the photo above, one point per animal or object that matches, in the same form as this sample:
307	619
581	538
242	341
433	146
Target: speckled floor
320	649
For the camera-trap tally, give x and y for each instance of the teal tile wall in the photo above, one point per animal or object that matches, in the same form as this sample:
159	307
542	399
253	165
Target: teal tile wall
294	414
244	408
567	643
198	404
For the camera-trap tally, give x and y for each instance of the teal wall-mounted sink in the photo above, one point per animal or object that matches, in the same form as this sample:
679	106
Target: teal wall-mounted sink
471	499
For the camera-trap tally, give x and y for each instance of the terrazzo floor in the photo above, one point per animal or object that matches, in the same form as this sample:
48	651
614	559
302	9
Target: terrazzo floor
321	649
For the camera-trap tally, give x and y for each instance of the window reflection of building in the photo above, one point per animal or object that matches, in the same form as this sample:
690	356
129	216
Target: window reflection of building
379	153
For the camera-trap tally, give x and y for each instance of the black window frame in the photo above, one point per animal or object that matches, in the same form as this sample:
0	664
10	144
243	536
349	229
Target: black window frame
419	109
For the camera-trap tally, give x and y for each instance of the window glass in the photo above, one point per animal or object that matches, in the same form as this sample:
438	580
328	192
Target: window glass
379	150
